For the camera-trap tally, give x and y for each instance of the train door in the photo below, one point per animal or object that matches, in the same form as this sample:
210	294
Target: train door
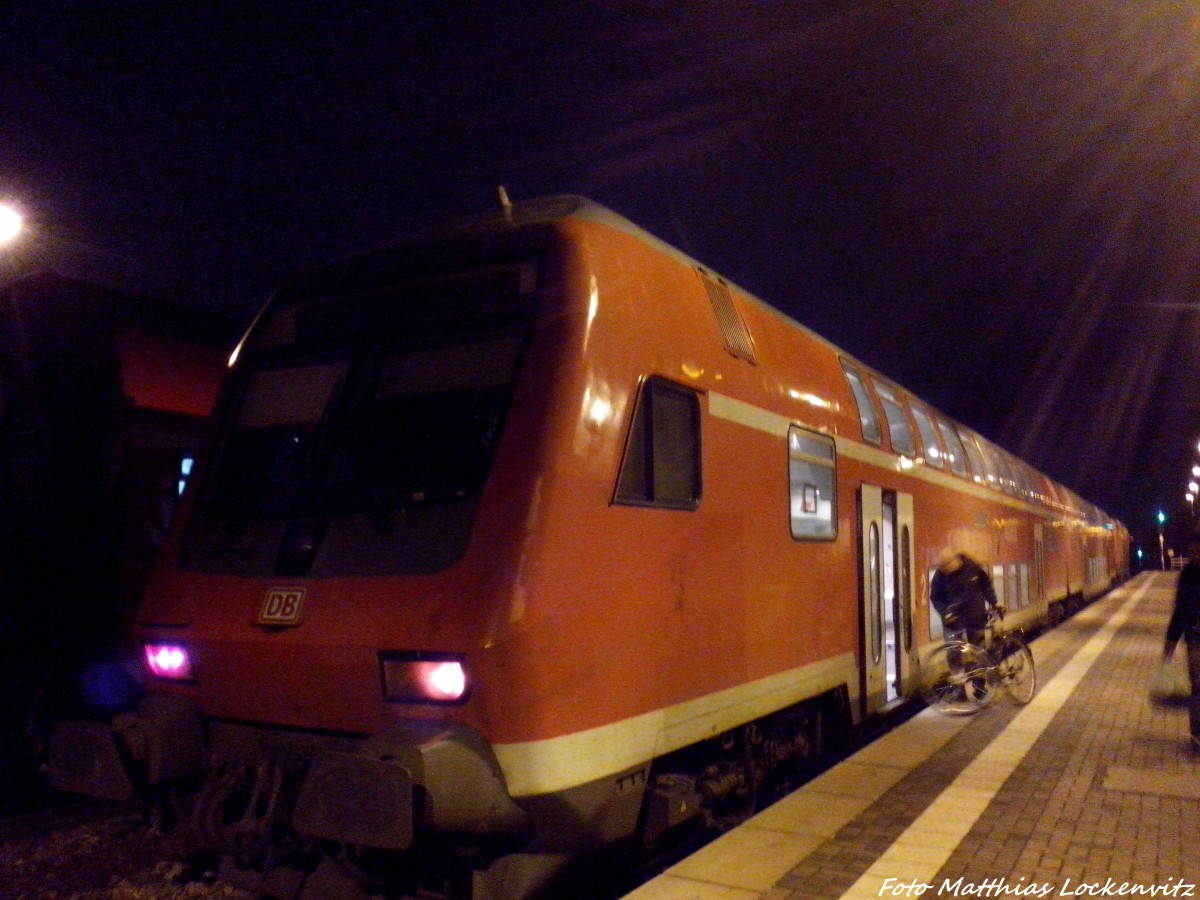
902	591
871	578
1038	595
885	529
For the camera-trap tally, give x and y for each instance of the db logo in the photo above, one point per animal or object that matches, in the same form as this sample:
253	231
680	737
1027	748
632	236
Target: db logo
282	606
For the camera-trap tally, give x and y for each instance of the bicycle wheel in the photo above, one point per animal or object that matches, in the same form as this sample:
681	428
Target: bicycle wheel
960	679
1015	669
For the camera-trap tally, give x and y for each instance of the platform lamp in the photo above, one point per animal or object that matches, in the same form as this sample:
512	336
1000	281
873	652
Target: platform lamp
1162	544
11	225
1192	491
11	222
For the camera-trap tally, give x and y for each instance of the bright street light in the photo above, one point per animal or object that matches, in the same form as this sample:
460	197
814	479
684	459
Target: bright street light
10	223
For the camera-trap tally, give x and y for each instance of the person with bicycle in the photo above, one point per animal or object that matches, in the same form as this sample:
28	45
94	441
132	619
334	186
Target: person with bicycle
961	592
978	656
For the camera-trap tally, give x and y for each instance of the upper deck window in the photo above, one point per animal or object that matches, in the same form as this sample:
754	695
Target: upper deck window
990	467
973	456
1027	479
661	465
933	453
954	448
867	416
899	430
1008	480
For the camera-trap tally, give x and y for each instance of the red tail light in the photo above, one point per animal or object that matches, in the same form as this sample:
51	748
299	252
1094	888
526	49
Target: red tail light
169	661
418	678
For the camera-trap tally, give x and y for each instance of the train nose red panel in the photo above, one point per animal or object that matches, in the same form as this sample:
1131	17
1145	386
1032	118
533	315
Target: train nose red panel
285	682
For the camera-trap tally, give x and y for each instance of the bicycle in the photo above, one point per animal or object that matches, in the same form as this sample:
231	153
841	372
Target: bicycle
967	675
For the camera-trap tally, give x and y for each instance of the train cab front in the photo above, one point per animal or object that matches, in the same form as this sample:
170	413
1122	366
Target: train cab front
315	633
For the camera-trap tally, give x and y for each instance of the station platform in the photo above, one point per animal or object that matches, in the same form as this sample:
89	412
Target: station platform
1088	791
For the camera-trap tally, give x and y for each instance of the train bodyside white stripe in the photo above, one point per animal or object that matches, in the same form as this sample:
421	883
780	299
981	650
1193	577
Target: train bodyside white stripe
759	419
544	767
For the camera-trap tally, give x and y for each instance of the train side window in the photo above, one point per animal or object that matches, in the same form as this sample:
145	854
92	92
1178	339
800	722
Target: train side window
899	431
1052	497
867	416
933	453
1034	481
661	465
992	469
999	584
1025	479
186	463
812	482
1008	481
974	457
937	630
954	449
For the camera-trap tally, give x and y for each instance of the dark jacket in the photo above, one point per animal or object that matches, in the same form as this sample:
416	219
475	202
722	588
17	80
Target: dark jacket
1186	617
963	594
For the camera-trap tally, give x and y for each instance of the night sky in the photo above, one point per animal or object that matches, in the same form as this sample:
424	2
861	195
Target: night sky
992	203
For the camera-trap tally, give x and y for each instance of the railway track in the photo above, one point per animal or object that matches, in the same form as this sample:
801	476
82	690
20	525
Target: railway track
100	850
94	850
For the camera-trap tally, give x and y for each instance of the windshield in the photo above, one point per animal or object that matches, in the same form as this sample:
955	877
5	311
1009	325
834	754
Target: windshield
383	428
363	420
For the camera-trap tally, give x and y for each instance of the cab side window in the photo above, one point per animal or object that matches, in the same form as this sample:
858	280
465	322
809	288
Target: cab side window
867	416
661	465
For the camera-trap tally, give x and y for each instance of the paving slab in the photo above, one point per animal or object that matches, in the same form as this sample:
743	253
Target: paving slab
1088	791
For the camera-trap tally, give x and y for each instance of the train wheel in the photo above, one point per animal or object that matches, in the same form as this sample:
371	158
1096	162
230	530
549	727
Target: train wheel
962	679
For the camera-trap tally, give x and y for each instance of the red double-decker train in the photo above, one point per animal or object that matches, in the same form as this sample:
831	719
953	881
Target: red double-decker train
104	400
530	536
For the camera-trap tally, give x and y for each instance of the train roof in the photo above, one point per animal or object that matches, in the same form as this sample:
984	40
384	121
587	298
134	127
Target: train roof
507	217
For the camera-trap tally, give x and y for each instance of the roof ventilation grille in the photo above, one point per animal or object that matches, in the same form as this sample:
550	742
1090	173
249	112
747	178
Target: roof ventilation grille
733	327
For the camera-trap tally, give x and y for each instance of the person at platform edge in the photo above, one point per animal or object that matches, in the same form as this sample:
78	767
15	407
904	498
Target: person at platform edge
1185	623
961	592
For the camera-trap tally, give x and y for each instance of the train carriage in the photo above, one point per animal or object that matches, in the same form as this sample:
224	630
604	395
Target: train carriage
104	398
534	536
